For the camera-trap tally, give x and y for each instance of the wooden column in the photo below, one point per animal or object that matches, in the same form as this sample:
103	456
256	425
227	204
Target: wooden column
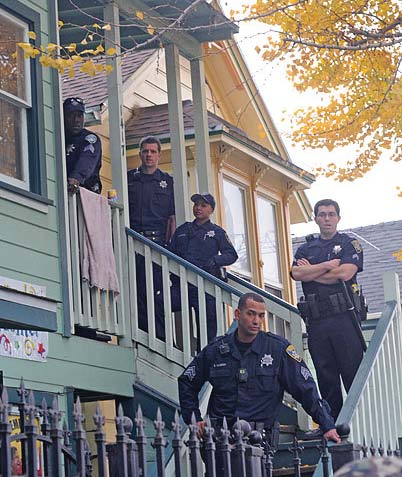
178	149
201	125
115	105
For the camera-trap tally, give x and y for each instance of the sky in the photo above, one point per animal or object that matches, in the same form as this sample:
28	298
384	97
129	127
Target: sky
370	200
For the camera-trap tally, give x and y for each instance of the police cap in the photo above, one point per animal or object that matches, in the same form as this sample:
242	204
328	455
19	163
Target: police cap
74	104
206	197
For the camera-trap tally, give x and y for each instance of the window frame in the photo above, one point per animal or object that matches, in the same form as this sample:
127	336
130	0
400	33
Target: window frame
279	286
226	176
35	161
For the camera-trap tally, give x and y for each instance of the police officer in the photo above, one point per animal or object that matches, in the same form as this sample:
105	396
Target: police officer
152	214
83	149
324	265
207	246
249	370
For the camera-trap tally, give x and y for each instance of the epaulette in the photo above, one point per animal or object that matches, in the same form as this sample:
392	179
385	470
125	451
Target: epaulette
279	338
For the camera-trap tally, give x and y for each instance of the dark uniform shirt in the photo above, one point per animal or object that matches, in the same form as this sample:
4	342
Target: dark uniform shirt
207	246
271	366
318	250
84	159
151	200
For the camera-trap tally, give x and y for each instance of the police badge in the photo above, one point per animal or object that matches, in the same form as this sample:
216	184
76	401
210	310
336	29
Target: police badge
163	184
266	360
337	249
210	233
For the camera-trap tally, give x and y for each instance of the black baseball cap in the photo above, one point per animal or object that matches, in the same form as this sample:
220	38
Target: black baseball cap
74	104
206	197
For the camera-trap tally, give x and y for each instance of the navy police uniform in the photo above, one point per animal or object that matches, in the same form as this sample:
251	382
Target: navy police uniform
250	385
333	342
208	247
84	159
151	203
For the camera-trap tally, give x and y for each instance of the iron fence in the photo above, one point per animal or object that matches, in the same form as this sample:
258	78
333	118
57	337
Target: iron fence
44	446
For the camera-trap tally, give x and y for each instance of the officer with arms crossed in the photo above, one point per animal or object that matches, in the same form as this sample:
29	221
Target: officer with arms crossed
83	149
206	245
152	214
327	267
249	370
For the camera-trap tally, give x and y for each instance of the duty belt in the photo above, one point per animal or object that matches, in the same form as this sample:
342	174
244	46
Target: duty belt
315	308
154	235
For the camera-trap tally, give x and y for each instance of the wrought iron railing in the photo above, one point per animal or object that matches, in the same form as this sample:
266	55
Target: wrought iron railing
46	447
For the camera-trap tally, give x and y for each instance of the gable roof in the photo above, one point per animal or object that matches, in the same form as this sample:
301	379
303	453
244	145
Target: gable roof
379	242
93	89
154	120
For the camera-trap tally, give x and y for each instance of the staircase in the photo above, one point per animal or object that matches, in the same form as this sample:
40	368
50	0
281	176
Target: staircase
373	407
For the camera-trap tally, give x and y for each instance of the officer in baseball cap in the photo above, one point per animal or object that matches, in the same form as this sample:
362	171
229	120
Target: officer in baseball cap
83	149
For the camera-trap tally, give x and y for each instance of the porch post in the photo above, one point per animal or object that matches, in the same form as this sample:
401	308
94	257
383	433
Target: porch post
176	123
115	106
203	156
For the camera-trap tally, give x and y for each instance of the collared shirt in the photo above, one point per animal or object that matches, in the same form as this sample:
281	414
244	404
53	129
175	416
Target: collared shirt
151	200
271	365
206	245
84	159
318	250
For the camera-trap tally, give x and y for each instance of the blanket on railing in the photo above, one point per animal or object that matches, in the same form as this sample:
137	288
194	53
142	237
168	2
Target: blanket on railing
98	265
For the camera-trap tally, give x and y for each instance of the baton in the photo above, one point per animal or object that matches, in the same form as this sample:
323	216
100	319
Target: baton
353	315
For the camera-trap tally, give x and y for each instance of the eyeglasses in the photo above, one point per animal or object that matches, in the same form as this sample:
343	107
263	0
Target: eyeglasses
323	215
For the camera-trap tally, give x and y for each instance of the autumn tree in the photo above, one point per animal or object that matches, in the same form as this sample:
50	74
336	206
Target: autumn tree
350	52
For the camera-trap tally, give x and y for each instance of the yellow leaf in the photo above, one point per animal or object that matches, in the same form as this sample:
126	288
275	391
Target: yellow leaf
111	51
139	15
91	37
60	23
150	29
89	68
257	49
106	27
51	47
108	69
84	42
32	35
99	49
95	25
14	55
71	47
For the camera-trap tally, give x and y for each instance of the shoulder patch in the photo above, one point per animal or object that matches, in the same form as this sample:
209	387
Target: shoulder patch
290	350
91	138
357	246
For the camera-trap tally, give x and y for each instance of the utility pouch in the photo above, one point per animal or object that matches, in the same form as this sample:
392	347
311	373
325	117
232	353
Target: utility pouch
314	306
335	305
363	308
357	302
304	309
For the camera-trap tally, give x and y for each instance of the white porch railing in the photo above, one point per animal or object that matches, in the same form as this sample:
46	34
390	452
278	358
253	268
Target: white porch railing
100	310
94	308
373	407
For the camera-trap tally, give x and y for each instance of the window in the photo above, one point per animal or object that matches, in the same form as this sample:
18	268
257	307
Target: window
21	161
268	238
236	226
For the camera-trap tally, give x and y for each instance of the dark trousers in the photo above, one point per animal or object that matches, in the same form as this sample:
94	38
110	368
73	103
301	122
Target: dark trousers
336	352
193	303
142	288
